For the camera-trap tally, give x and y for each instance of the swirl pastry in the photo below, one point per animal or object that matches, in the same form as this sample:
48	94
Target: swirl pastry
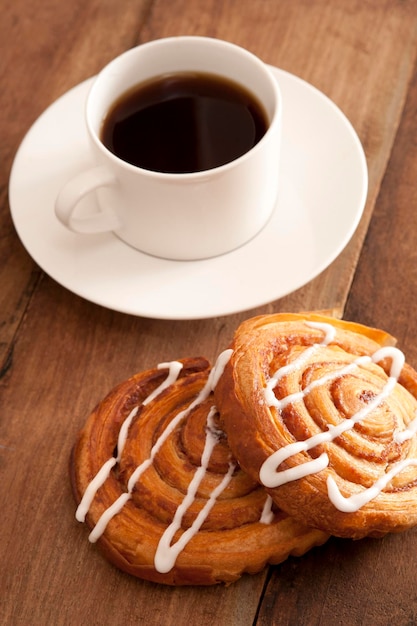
155	481
323	413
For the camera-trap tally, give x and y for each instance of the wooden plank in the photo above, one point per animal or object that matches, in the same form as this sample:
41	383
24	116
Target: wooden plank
384	287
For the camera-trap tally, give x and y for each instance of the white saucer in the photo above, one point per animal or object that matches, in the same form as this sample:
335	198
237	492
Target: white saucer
322	196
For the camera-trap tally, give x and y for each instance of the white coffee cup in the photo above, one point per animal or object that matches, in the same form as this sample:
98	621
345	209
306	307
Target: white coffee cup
186	216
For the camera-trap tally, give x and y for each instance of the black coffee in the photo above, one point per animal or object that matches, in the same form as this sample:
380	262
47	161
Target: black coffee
186	122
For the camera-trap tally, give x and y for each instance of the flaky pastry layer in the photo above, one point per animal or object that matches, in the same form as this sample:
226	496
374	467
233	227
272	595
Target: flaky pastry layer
322	412
189	515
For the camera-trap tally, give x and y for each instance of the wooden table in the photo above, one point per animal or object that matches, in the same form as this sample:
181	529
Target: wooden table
60	354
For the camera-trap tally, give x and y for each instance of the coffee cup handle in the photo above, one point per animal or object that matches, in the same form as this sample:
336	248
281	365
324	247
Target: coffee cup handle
74	191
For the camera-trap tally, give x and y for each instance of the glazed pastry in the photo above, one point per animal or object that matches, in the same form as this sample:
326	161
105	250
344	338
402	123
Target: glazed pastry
155	481
322	412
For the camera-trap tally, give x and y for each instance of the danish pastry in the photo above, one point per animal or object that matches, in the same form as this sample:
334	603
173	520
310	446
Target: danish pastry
323	413
156	483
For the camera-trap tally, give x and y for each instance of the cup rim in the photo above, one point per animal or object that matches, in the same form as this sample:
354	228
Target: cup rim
185	176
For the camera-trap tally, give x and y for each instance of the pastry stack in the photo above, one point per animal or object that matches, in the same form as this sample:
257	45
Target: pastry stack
305	427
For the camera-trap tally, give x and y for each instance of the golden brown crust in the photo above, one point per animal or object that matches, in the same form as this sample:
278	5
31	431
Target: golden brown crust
232	539
359	456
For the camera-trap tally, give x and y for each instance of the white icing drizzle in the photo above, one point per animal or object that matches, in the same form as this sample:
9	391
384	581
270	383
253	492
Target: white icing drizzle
166	554
358	500
269	474
267	513
124	497
89	494
218	369
174	369
328	330
403	435
294	397
329	335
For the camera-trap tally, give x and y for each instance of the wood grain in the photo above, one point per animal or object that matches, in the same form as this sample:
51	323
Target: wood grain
60	354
